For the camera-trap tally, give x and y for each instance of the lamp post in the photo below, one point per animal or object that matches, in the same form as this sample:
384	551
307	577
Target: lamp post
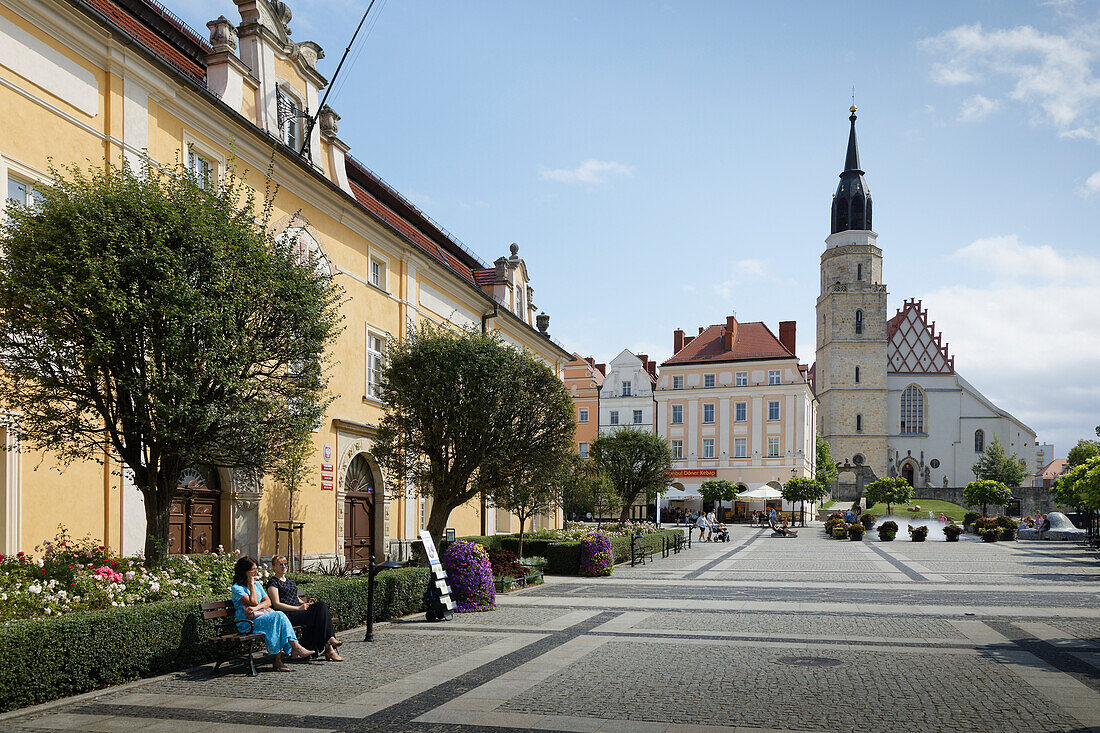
373	570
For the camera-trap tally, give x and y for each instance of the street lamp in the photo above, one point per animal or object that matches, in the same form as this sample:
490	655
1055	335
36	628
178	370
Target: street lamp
373	570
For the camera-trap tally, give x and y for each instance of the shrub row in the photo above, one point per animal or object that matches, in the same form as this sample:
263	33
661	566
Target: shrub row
50	658
564	558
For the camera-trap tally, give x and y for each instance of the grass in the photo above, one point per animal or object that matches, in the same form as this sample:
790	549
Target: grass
953	511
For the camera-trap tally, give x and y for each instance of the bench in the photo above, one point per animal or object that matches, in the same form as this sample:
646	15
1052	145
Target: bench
639	553
229	637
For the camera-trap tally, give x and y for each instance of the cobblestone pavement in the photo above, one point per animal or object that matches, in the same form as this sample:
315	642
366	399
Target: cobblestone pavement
756	634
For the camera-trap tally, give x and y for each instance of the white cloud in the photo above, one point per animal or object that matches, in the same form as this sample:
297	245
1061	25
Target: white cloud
1092	185
977	108
1025	331
1049	73
742	270
591	172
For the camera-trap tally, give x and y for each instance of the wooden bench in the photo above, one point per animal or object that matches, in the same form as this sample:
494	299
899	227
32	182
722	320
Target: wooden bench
228	635
639	553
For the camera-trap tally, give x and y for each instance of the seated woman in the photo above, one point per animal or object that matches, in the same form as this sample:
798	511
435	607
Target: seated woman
252	604
785	530
312	615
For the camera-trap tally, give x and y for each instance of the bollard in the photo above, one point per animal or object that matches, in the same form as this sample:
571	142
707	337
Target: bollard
633	554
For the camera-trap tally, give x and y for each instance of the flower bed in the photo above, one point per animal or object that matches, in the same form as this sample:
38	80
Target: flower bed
596	557
470	575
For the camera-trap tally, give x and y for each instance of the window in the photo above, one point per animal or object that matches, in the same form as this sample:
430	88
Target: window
979	441
677	382
289	120
614	417
677	449
375	349
626	389
201	168
378	273
677	414
740	447
773	410
740	411
742	379
582	449
859	423
859	272
22	192
582	415
912	410
708	380
708	413
774	375
773	447
708	447
637	417
859	322
857	375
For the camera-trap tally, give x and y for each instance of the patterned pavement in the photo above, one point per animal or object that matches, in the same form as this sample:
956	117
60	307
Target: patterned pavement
757	634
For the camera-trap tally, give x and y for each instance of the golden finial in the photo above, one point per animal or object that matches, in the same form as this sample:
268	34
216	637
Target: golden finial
852	109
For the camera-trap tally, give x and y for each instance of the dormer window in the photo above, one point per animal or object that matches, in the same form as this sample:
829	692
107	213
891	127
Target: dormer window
290	117
626	389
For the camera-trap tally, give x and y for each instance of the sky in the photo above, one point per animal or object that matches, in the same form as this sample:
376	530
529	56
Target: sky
665	164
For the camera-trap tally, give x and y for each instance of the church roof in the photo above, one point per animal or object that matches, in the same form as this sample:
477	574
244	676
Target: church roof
852	200
751	341
914	346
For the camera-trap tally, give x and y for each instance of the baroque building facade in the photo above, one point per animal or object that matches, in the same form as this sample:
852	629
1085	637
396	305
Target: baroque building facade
113	80
891	402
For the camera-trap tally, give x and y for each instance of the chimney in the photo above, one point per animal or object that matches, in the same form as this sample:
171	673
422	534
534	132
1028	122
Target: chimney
730	333
786	335
644	358
591	361
700	330
653	368
688	340
677	340
602	368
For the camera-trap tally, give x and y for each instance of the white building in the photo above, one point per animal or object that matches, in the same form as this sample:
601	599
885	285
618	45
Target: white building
626	396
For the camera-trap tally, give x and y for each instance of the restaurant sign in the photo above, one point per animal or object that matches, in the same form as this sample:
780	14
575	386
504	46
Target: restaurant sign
694	472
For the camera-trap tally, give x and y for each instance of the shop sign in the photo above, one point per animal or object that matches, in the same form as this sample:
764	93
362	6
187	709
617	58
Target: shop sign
694	472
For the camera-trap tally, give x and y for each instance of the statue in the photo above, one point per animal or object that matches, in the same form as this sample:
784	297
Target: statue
945	482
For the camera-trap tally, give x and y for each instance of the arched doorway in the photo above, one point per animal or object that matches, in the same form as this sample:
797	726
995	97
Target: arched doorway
907	473
358	512
194	517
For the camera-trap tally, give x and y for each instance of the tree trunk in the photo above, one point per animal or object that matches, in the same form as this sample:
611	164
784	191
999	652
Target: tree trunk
437	521
625	514
158	500
519	552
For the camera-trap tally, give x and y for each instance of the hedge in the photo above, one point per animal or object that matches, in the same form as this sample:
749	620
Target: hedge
564	558
49	658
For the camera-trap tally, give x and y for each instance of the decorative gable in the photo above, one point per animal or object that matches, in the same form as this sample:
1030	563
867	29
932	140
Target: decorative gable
914	346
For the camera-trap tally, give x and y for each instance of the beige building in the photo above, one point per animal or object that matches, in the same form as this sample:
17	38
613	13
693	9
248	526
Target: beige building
94	80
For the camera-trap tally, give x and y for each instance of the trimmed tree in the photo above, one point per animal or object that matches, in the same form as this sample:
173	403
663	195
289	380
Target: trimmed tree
825	468
1080	486
804	489
718	491
467	413
145	318
637	462
986	492
889	491
995	465
586	487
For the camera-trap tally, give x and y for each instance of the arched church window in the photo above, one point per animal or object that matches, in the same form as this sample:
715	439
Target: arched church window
859	321
841	215
979	441
912	410
857	375
859	271
869	214
859	423
857	213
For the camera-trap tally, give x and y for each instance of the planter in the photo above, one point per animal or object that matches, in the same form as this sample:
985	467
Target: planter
840	532
991	535
951	532
1007	535
918	534
887	536
855	533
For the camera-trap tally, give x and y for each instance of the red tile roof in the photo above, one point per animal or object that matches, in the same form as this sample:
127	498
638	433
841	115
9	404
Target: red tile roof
753	341
1054	469
485	275
149	38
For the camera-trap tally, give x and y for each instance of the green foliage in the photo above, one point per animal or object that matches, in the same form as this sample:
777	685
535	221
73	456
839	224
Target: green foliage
563	558
825	468
1080	486
586	488
637	462
50	658
888	491
840	531
535	487
145	317
868	520
918	534
952	531
970	517
855	532
986	492
990	534
1082	452
887	530
718	491
803	489
466	413
995	465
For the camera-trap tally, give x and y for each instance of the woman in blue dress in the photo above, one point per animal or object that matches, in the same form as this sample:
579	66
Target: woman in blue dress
252	604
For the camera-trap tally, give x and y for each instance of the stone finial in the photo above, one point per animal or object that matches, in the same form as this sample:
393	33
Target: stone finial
309	52
514	249
223	35
327	120
542	321
282	13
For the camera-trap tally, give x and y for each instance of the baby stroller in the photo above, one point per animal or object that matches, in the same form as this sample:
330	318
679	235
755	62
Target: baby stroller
721	534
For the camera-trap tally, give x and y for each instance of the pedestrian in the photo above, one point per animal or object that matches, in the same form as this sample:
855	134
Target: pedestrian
1044	525
773	516
943	518
701	524
712	523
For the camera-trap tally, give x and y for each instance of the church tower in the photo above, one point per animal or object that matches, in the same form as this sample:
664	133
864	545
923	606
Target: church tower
850	376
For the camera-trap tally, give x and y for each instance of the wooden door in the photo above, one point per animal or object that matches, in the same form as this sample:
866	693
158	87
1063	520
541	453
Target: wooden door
194	521
177	527
358	513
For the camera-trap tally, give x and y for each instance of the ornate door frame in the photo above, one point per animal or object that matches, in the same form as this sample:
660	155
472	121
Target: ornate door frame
353	439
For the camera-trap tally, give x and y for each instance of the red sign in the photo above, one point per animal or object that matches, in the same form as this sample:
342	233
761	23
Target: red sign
326	467
695	472
326	486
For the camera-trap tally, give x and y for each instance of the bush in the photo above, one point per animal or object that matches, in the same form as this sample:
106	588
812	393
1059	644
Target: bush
855	532
951	532
991	534
596	558
1004	522
969	518
49	658
470	576
868	521
620	546
918	534
1007	534
832	522
840	530
505	563
887	531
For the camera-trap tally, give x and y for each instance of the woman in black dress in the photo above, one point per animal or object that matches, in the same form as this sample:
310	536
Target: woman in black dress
312	615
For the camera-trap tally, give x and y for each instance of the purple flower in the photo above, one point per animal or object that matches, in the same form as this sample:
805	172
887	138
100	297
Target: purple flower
596	558
470	576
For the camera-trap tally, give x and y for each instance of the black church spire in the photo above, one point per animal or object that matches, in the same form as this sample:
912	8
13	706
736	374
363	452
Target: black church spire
852	202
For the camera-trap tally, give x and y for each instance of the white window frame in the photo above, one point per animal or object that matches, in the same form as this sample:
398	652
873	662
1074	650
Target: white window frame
708	407
582	414
773	446
740	447
582	450
741	379
376	361
710	380
773	410
775	376
192	147
677	414
740	411
294	122
637	417
626	388
708	448
678	381
383	267
613	417
677	447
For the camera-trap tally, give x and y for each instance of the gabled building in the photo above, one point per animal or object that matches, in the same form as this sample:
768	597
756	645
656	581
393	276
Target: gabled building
626	396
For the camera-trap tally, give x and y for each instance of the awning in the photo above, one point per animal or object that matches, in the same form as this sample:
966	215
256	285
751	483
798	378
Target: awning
760	494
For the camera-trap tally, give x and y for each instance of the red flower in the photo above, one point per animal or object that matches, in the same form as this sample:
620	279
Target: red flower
70	567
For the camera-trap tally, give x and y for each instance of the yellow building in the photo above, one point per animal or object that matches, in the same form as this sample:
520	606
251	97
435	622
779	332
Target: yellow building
91	80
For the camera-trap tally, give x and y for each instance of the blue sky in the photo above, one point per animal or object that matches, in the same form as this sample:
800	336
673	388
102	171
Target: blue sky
662	165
